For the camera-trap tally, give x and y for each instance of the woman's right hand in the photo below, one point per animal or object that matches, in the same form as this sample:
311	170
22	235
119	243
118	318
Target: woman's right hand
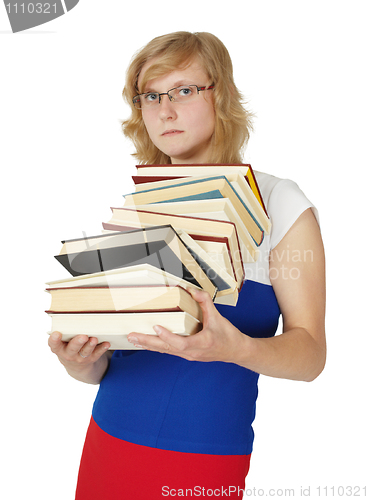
83	358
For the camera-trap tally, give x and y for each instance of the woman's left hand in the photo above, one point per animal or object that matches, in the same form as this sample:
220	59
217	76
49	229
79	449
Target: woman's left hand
219	340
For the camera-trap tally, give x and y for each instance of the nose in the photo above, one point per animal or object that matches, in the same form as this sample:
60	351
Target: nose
166	108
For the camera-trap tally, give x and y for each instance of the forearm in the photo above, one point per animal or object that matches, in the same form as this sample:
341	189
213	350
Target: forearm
294	355
93	373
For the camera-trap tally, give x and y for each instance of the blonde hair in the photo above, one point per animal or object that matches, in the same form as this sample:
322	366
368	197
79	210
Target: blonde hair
177	51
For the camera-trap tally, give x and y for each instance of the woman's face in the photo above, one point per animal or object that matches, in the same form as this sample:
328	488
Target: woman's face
181	131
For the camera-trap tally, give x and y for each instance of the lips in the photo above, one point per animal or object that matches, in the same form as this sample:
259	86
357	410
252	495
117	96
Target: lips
172	132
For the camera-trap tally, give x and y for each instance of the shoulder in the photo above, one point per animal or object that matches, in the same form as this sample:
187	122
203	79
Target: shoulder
284	201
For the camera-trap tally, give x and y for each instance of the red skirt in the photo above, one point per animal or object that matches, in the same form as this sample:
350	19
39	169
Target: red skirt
113	469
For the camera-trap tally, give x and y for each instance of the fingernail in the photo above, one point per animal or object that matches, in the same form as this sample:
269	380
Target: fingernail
133	340
157	329
55	336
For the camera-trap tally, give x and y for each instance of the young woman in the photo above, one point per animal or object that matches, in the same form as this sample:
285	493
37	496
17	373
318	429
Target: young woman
175	418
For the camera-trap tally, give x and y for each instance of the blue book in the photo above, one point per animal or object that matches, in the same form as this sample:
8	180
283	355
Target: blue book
209	195
200	189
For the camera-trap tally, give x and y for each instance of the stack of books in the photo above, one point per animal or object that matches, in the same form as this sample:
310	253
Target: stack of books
185	225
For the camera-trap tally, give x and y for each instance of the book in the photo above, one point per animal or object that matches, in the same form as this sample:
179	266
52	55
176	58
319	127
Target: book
199	189
227	288
127	299
139	275
159	246
220	210
219	252
114	327
152	173
237	181
198	229
184	225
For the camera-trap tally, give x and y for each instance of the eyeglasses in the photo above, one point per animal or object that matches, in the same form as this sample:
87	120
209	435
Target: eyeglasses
182	94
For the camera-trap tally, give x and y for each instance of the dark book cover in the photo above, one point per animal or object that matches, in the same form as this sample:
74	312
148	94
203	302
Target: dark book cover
159	246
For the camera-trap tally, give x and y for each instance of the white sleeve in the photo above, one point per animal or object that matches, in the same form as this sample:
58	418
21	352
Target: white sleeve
286	202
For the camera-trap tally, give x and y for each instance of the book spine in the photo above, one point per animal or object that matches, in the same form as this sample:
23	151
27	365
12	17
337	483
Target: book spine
141	179
252	181
257	240
120	311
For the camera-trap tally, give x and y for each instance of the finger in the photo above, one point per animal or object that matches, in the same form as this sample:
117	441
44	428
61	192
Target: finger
55	342
204	300
93	350
147	341
175	341
75	345
88	348
164	341
99	350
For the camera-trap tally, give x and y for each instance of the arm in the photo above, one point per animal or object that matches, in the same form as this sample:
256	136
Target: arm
299	283
83	358
297	273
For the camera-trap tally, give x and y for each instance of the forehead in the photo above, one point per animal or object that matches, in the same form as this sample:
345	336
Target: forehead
153	77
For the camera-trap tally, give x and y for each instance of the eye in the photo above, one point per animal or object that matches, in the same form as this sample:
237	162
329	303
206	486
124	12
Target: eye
150	97
185	91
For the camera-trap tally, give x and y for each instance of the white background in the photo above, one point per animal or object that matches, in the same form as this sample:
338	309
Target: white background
303	67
